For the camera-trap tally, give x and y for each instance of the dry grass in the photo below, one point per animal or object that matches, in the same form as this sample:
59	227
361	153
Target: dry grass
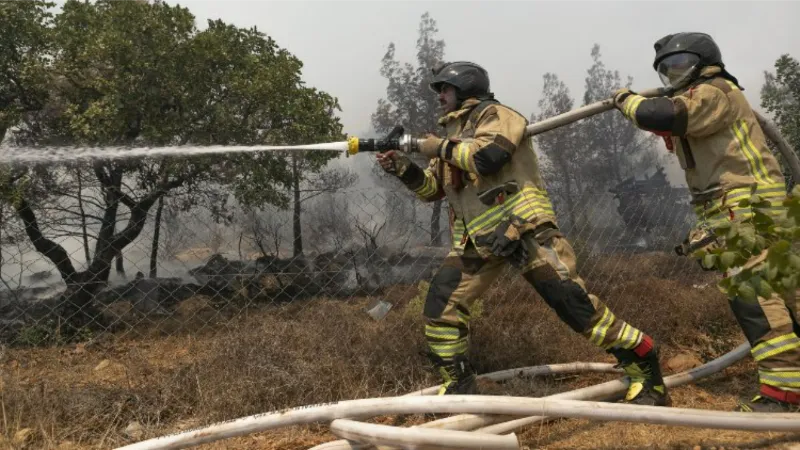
326	350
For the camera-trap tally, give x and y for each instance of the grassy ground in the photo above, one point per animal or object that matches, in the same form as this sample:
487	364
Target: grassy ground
87	396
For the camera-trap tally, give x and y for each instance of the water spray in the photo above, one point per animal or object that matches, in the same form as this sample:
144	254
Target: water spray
59	154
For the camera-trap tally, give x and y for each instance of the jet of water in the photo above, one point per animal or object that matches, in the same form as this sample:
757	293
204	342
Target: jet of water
12	155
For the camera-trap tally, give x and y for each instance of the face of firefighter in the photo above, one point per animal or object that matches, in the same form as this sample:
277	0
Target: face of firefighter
447	98
677	70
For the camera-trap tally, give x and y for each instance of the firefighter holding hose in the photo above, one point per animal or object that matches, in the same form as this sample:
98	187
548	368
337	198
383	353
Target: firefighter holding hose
500	213
708	123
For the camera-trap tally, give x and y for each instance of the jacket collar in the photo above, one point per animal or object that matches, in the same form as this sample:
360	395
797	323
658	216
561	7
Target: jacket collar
466	107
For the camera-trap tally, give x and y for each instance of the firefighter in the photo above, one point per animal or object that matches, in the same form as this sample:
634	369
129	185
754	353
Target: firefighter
500	213
708	123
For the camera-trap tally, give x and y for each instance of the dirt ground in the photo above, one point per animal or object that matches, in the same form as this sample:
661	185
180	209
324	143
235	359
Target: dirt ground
121	389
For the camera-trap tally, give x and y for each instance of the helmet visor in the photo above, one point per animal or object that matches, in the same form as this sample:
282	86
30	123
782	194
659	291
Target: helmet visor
437	82
676	70
436	86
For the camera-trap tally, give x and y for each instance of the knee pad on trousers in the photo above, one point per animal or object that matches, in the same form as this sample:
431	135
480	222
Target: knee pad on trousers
442	286
570	302
751	319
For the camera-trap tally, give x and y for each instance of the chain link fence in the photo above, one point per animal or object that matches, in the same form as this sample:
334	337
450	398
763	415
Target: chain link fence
200	268
211	316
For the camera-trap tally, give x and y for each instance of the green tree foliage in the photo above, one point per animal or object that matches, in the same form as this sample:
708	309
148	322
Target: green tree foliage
24	45
759	253
780	97
141	74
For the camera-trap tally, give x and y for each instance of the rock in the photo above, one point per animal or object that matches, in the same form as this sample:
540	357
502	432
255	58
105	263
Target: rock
697	447
111	371
194	305
683	362
269	283
22	436
27	308
149	296
134	430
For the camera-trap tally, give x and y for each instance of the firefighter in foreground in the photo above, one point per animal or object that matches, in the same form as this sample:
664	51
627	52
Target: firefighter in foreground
708	123
500	212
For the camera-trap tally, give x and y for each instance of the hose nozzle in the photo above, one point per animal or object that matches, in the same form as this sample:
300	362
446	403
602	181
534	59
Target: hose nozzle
352	145
395	140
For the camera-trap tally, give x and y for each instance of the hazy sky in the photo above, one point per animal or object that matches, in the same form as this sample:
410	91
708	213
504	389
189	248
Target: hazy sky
341	43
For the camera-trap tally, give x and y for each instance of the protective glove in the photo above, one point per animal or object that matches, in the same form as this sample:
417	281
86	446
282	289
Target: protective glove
432	147
393	162
620	95
505	241
697	239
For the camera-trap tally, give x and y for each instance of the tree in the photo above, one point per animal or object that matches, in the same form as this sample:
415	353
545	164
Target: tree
156	80
172	234
563	168
24	46
209	196
409	101
780	97
309	180
153	272
266	231
331	223
309	118
614	149
317	182
392	226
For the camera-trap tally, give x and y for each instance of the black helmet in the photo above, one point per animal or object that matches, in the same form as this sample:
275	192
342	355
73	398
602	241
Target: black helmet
698	49
699	44
469	79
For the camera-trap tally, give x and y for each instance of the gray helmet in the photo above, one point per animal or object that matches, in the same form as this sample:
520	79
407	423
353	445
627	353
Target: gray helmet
469	79
697	49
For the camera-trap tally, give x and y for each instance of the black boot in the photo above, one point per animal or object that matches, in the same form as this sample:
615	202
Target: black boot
458	376
760	403
646	383
771	399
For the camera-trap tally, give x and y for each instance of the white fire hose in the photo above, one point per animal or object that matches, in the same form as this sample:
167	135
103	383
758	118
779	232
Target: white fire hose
535	408
603	391
516	406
